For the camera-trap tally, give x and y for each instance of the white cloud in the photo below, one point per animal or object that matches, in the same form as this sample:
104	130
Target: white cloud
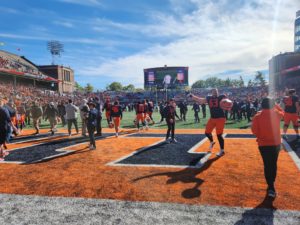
9	10
83	2
64	23
210	40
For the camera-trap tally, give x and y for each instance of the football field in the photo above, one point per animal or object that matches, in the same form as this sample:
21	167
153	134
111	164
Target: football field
138	179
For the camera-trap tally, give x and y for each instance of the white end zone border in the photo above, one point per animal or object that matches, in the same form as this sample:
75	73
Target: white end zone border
292	154
62	150
192	150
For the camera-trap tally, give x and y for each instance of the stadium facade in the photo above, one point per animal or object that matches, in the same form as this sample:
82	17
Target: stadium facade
21	71
284	71
297	32
65	76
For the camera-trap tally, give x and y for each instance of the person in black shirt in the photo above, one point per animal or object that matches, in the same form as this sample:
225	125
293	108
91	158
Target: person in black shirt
170	113
99	116
217	119
203	106
196	109
183	110
4	127
162	105
116	116
248	110
92	124
235	110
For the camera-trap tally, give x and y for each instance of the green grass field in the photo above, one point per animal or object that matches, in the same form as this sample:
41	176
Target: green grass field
128	118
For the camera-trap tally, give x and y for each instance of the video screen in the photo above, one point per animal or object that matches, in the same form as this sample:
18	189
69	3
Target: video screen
166	77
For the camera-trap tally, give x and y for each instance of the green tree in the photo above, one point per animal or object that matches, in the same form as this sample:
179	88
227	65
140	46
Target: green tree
199	84
242	83
114	86
250	83
214	82
89	88
139	90
78	87
228	82
259	79
129	87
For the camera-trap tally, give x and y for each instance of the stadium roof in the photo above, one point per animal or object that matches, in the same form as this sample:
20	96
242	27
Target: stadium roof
13	64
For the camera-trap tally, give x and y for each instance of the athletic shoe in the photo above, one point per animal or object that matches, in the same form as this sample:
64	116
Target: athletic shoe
92	147
174	140
211	146
117	134
272	193
221	152
168	141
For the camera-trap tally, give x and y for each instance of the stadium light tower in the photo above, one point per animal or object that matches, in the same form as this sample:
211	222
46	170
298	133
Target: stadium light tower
55	48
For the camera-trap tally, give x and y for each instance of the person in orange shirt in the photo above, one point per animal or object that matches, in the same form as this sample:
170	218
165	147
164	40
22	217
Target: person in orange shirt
217	120
107	107
116	116
292	109
139	109
266	128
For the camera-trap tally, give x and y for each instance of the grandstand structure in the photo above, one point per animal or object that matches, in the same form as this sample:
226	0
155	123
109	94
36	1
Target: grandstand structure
284	71
21	71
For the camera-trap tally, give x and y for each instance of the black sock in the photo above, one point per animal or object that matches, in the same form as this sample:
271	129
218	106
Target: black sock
221	141
209	136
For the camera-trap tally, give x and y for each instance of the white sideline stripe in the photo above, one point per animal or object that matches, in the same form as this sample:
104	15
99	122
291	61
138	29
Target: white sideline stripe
201	162
38	139
63	150
292	154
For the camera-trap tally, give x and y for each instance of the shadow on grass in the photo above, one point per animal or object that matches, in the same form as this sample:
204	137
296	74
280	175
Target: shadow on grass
187	175
263	213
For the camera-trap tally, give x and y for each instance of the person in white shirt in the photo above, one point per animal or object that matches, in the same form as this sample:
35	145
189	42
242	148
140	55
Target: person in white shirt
71	116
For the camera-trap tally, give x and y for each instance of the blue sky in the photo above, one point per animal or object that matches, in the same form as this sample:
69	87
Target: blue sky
114	40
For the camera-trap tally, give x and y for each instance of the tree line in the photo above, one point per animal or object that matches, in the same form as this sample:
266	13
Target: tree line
214	82
114	86
211	82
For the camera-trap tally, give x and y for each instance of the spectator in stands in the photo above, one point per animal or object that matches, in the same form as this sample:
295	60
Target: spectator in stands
71	117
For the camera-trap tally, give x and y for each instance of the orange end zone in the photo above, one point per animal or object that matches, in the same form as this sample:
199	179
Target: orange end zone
235	179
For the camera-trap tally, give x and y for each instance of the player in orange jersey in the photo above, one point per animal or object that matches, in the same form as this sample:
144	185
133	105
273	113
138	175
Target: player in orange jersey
292	109
116	116
217	119
107	107
140	109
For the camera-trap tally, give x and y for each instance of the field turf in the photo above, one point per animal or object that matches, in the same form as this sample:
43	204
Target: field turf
138	179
